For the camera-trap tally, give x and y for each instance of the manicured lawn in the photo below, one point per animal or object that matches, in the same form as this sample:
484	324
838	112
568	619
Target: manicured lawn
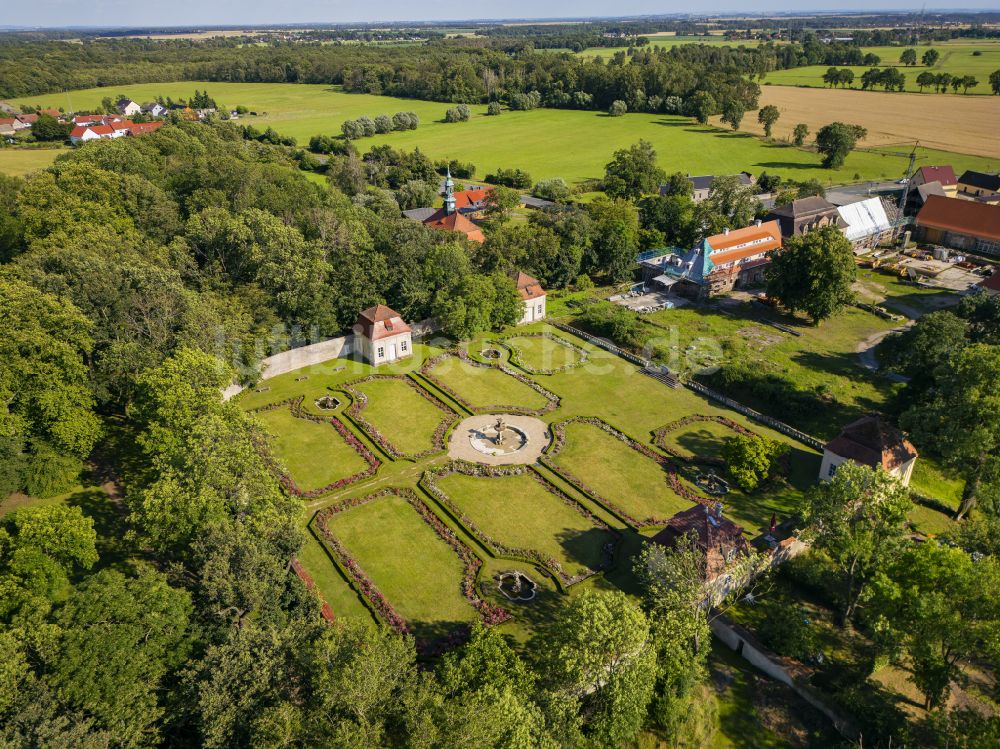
485	388
702	439
314	454
540	353
518	512
335	590
17	162
571	144
401	414
417	572
625	477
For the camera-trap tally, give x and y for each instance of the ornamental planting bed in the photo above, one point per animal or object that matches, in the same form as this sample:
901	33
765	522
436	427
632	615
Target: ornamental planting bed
408	415
702	443
478	385
389	545
543	353
629	479
305	454
517	514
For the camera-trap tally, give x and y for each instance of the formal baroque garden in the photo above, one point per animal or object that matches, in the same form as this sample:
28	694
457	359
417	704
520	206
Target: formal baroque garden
429	541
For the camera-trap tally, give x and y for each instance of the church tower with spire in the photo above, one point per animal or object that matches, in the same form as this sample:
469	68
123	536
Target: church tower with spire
449	194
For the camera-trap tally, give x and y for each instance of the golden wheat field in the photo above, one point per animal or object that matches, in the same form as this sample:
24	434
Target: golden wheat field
966	124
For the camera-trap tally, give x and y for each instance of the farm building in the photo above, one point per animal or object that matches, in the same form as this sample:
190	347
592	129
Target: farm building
532	294
804	214
960	224
721	540
733	259
866	223
381	336
872	442
980	186
128	108
944	175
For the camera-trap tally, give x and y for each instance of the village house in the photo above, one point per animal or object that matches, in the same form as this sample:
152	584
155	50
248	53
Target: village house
866	223
943	175
720	539
805	214
142	128
448	218
723	262
381	336
154	109
870	441
979	186
473	201
7	126
702	186
533	296
960	224
113	129
128	108
28	119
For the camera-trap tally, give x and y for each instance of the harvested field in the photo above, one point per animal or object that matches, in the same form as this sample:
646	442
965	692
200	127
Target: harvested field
890	117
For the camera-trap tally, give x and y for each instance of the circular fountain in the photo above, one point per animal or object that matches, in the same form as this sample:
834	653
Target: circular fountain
516	586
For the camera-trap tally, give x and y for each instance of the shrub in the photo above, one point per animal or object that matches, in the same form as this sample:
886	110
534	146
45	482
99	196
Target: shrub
352	129
331	144
49	472
517	178
461	113
405	121
367	124
784	630
458	169
617	108
494	108
383	124
552	189
524	102
673	105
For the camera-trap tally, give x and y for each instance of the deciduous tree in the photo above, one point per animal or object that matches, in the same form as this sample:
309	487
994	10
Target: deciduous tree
813	273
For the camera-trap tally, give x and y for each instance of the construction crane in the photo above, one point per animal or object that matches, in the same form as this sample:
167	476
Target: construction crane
912	155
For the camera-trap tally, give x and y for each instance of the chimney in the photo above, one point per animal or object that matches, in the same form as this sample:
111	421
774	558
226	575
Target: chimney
725	231
757	222
718	510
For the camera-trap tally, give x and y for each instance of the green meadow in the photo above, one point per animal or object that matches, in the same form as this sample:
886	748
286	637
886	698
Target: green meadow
20	161
571	144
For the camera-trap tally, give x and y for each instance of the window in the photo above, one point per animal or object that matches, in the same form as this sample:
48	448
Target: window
539	309
833	469
402	346
381	352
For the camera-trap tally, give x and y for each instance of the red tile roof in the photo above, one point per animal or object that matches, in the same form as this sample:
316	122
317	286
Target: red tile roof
472	197
455	222
141	128
726	247
872	442
529	288
943	174
961	216
79	130
717	536
992	283
379	322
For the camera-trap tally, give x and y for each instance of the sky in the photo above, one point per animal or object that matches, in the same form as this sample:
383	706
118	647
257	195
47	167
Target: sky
59	13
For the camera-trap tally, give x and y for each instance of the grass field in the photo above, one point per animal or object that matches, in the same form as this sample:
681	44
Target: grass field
416	571
700	439
540	353
485	388
401	414
313	454
571	144
633	482
945	125
517	511
956	59
20	161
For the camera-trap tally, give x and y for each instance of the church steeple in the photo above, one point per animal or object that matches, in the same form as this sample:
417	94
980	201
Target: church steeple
449	194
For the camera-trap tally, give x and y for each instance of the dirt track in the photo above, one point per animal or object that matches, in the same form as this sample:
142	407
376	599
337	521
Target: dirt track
966	124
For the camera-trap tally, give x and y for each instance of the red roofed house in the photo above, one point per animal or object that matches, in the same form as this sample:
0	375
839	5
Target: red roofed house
719	539
961	224
733	259
944	175
381	336
142	128
532	294
83	133
95	119
450	219
872	442
473	200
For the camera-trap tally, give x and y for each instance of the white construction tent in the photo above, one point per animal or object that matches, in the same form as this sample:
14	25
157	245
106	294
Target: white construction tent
867	223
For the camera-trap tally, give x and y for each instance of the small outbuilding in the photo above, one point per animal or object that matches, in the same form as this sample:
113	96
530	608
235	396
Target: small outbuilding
870	441
720	539
381	336
533	296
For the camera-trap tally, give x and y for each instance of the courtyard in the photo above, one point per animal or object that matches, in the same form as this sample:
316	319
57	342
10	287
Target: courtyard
405	529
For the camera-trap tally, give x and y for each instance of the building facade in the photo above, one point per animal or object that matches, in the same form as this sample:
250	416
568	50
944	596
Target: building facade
533	296
960	224
802	215
381	336
872	442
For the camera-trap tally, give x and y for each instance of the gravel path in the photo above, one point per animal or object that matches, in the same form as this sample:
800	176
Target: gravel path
460	445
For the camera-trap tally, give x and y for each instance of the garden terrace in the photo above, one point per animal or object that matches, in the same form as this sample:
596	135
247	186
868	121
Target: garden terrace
543	353
413	571
316	455
399	416
698	438
631	480
518	514
487	387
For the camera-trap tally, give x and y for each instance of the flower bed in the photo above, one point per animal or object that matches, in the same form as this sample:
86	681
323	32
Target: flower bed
552	400
465	468
361	401
659	436
295	404
516	354
673	480
489	613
